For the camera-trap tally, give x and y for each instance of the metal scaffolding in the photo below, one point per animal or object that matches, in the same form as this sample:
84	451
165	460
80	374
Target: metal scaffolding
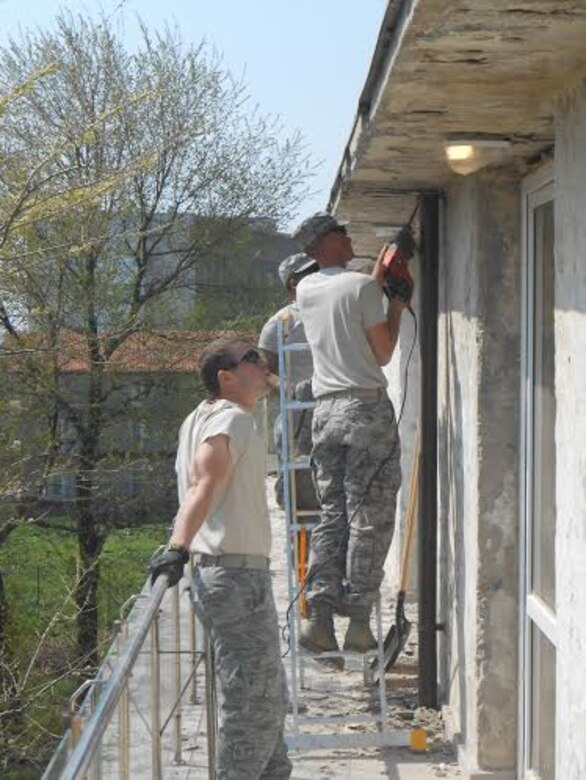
305	672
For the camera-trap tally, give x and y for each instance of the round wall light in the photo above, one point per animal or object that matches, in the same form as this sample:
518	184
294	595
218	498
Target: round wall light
466	155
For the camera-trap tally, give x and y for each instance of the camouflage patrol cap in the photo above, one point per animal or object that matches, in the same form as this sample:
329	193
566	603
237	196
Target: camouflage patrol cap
293	265
315	227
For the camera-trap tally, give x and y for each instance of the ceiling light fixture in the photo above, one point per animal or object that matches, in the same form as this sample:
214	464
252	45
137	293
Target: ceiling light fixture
466	154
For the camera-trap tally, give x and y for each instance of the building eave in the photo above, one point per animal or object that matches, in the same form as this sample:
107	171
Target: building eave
440	69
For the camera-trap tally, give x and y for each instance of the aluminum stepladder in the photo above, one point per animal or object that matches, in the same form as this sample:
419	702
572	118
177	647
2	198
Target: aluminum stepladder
299	734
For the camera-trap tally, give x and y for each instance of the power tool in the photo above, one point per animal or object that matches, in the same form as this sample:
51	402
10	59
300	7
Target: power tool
397	280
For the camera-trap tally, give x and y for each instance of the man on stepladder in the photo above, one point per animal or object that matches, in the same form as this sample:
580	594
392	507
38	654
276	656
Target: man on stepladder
356	450
223	518
291	271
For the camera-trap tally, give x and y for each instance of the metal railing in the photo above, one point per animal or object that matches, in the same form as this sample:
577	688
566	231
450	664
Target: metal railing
109	733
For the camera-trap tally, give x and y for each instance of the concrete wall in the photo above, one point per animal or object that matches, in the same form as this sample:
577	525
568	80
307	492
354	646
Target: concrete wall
478	465
570	335
479	409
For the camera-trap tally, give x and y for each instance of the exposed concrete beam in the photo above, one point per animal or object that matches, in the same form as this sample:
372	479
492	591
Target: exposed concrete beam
468	66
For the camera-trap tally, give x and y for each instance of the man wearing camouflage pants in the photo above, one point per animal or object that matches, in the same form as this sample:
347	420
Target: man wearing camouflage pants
356	449
223	518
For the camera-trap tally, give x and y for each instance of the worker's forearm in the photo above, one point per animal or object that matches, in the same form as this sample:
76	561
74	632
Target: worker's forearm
272	359
192	513
273	382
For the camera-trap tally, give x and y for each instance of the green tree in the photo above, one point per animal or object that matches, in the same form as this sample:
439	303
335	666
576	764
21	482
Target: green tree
30	189
158	167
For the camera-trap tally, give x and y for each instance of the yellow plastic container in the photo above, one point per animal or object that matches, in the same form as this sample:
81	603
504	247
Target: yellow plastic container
418	740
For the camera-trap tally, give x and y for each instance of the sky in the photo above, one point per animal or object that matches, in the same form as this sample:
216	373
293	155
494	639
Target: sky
305	61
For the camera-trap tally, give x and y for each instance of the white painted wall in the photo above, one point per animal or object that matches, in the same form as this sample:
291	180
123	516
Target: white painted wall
570	335
396	375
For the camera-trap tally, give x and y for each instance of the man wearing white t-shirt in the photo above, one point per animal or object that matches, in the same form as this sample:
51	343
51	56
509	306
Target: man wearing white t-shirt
356	448
223	518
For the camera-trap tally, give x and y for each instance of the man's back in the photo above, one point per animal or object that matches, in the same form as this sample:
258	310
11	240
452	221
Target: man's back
337	306
301	362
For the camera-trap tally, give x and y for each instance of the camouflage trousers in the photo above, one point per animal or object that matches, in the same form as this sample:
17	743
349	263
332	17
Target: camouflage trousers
238	609
356	461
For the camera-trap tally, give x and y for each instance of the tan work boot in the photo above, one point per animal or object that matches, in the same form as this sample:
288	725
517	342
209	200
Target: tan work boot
317	633
359	638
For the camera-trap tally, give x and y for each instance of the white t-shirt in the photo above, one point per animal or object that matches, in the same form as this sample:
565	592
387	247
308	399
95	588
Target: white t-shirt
337	306
301	362
238	521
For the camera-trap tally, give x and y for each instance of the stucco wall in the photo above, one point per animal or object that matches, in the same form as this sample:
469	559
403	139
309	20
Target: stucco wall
478	463
570	336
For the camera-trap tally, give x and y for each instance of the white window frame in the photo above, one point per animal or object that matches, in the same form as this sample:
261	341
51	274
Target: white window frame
537	189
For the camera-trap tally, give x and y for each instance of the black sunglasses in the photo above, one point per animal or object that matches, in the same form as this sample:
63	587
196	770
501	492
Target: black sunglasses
250	356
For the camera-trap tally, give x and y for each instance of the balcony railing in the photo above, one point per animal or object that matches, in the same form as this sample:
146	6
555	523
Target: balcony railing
128	722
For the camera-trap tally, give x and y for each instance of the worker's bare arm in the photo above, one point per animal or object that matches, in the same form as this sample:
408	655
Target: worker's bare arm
209	471
272	360
379	339
383	336
378	270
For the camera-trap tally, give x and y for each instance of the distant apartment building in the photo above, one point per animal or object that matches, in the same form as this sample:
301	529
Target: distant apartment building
150	382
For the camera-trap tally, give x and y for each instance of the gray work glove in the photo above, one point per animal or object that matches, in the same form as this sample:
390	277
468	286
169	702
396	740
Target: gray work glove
170	562
303	390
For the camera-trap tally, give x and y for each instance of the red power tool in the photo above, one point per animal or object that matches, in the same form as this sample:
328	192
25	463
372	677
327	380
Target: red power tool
397	280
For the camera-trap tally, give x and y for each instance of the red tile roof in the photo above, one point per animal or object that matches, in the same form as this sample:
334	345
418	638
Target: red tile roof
155	351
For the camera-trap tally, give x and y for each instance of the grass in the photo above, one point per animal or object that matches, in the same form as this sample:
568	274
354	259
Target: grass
21	774
39	569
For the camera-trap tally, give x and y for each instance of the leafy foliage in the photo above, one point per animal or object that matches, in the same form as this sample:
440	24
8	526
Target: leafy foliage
39	570
132	186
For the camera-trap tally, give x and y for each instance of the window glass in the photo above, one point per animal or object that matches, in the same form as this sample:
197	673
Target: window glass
544	408
542	705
